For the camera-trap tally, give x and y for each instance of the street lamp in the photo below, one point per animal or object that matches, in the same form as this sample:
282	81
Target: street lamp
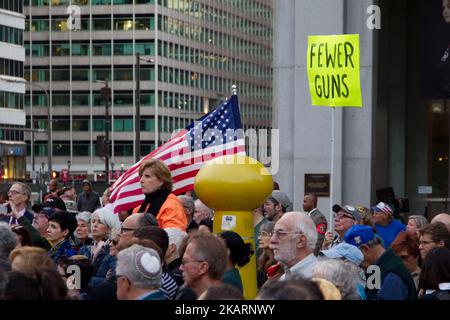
49	124
69	163
137	120
112	172
106	95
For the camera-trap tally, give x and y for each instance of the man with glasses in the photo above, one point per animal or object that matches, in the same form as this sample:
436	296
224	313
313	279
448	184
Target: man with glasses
204	261
126	232
131	223
344	218
293	242
19	197
432	236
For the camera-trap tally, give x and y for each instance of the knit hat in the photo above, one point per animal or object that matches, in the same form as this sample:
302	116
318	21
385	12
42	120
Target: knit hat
282	198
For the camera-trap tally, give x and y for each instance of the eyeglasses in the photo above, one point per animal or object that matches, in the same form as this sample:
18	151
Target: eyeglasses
341	215
13	192
265	234
281	234
123	230
184	261
425	242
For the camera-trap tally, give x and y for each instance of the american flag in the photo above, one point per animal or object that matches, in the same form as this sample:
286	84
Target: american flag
215	134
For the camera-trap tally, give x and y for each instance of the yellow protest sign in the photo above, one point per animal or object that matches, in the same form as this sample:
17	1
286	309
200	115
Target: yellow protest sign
333	70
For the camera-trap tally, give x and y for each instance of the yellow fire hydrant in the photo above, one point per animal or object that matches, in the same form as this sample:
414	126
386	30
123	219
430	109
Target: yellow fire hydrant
234	185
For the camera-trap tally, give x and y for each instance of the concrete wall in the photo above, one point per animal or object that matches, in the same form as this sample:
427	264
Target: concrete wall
305	131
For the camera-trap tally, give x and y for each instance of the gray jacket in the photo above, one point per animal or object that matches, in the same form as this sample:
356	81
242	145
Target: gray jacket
321	224
88	202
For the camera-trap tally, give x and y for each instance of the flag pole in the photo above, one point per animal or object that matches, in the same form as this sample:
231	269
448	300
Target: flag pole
331	220
234	89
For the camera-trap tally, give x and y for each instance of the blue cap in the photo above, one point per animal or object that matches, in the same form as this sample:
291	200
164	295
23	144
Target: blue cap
359	235
345	250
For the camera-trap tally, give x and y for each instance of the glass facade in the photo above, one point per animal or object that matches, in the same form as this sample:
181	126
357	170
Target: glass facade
12	145
192	52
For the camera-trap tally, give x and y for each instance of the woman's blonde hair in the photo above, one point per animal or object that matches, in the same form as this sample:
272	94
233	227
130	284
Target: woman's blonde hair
33	258
366	216
160	170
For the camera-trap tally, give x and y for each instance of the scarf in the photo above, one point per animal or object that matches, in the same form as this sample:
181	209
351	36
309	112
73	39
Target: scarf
154	201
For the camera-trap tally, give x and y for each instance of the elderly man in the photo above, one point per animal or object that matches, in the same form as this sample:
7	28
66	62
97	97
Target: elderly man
189	209
172	257
19	197
310	206
276	205
139	274
442	218
344	218
202	211
204	261
293	242
396	282
132	223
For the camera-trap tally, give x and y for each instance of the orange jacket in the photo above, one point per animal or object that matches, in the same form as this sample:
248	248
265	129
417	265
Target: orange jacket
171	214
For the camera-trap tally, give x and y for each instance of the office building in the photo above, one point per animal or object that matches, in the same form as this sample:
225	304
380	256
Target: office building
12	90
192	52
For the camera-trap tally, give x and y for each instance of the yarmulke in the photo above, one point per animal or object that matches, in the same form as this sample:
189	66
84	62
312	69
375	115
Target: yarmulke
148	264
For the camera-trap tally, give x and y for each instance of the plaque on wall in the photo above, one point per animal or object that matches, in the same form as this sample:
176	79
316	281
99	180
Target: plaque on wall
318	184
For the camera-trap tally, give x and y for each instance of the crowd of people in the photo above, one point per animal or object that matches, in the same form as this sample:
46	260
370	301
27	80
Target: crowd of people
75	247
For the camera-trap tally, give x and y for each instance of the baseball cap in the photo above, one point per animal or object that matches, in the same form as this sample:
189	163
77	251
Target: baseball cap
351	210
48	211
383	207
86	181
282	198
345	250
359	235
52	202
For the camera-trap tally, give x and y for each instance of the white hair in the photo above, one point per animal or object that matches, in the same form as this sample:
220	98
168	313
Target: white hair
200	206
342	274
143	273
7	240
108	218
84	216
176	236
187	202
304	224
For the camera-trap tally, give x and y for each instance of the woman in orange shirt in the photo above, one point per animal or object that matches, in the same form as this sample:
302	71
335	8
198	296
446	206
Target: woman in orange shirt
156	184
